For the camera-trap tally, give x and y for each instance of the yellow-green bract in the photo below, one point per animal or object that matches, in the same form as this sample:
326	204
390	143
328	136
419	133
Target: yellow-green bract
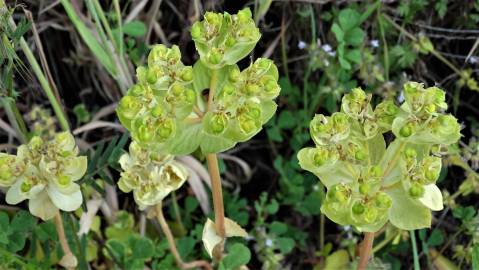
44	172
369	184
168	111
151	176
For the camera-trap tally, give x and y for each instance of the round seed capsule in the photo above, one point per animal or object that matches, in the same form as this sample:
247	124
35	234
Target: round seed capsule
358	208
406	130
416	190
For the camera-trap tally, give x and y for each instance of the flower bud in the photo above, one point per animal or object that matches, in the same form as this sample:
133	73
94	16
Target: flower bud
177	89
136	90
262	65
321	156
340	193
145	133
196	30
213	19
360	155
215	56
364	188
190	96
407	130
410	153
375	171
187	74
166	129
247	125
64	180
252	89
234	74
416	190
244	15
228	89
151	77
25	186
218	123
158	111
129	106
370	214
382	200
358	208
230	41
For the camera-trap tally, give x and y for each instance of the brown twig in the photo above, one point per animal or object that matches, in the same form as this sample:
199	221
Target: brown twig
171	243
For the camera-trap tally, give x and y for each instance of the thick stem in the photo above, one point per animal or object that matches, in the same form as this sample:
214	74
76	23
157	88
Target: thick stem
213	169
72	261
365	251
171	243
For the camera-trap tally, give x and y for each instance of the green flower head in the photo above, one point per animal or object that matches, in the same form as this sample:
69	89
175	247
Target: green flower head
151	176
45	174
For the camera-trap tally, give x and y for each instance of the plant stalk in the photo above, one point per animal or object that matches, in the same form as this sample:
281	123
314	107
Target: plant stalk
214	172
365	251
57	108
171	243
63	241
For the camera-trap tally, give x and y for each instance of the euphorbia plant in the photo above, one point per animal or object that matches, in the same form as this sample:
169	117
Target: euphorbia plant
176	109
44	173
370	182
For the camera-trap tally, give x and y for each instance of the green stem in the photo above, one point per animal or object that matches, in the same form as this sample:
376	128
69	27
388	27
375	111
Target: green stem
384	242
214	172
413	38
385	44
57	108
414	251
177	211
15	119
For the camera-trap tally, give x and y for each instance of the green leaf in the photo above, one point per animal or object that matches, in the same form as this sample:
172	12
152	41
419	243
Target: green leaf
238	255
337	260
464	213
377	148
285	244
436	238
348	19
354	37
187	142
90	40
344	63
286	120
338	32
142	247
278	228
23	221
406	213
354	56
214	144
134	28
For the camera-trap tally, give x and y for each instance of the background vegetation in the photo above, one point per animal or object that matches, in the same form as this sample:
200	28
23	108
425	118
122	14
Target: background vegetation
79	57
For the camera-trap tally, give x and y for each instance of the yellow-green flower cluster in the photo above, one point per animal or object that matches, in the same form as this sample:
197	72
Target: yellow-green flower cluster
213	105
44	172
162	98
369	184
245	101
224	39
151	176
